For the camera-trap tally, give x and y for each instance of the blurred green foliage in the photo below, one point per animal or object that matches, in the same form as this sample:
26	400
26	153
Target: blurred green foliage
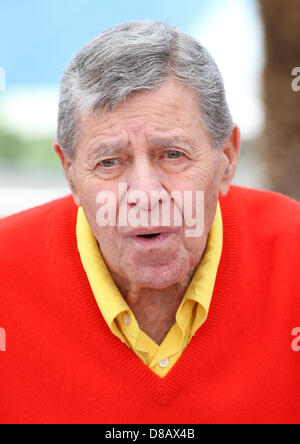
16	150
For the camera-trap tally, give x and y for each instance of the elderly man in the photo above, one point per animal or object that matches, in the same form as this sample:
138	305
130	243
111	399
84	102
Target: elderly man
113	315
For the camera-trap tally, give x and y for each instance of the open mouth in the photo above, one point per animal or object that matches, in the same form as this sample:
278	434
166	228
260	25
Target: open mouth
149	236
151	239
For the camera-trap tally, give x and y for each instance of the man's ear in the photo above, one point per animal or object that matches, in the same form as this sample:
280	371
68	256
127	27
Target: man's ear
230	152
68	169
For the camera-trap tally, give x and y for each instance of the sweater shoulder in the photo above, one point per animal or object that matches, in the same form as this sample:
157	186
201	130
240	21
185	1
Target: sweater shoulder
271	211
31	224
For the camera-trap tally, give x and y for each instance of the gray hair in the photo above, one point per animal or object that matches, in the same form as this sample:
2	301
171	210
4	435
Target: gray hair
134	56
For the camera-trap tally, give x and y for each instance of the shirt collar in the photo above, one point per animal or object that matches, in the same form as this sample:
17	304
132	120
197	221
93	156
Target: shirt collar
110	300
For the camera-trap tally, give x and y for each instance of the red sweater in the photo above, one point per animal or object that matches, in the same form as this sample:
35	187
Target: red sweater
63	365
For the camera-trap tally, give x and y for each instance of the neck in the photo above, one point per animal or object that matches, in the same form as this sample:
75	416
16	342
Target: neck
154	309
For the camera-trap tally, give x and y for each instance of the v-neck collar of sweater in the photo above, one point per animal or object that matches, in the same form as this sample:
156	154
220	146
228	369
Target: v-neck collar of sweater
162	390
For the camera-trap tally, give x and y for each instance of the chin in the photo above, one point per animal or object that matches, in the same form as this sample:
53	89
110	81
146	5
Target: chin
158	275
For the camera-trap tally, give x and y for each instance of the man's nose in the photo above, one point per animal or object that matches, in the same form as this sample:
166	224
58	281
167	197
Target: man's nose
145	180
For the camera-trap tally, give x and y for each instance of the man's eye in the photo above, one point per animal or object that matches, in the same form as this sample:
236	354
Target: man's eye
107	163
173	154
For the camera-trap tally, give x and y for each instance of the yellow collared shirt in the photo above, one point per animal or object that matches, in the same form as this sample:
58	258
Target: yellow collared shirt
190	316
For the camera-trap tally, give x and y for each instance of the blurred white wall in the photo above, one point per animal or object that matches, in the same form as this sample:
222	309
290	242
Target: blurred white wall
233	33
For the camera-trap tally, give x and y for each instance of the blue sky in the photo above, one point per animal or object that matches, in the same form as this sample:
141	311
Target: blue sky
38	37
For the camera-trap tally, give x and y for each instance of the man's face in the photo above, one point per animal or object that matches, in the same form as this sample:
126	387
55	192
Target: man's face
153	142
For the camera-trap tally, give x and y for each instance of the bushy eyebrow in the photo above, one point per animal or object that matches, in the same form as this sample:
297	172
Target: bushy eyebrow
171	141
105	149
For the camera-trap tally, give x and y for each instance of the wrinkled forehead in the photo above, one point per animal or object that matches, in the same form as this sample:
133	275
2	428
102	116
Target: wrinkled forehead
168	114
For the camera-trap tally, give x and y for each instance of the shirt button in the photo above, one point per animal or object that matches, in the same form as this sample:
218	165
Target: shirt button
126	319
164	363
